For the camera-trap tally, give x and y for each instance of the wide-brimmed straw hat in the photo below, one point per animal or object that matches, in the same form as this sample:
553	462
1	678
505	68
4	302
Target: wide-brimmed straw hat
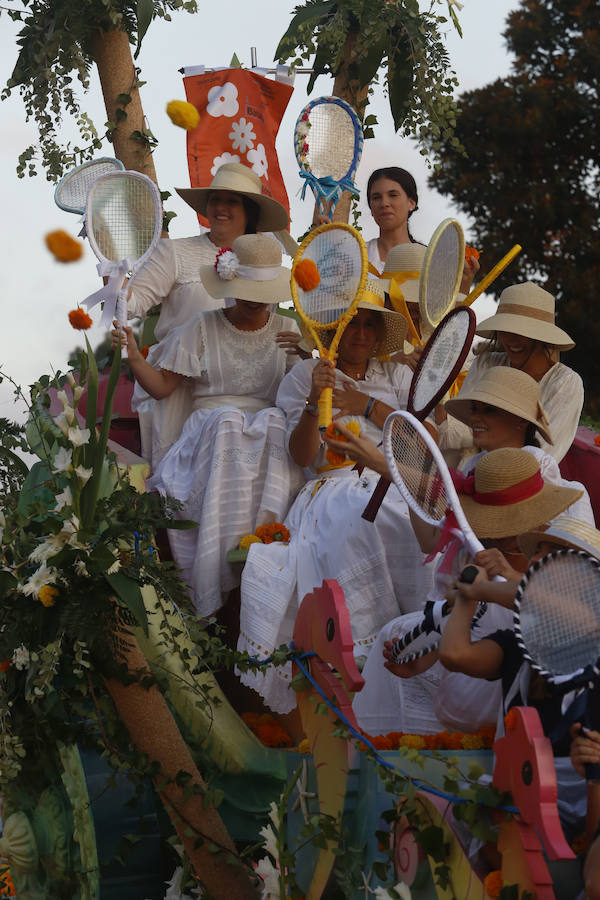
402	270
508	389
564	531
395	325
528	310
507	495
248	270
239	179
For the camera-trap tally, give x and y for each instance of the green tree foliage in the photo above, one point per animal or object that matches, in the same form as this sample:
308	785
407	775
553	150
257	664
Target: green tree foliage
396	37
532	174
56	53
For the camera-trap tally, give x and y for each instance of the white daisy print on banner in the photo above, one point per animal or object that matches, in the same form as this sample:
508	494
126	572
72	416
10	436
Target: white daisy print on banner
219	161
222	100
258	158
242	135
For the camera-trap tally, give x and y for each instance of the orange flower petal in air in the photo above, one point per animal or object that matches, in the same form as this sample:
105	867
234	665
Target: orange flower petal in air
63	247
79	319
307	275
471	253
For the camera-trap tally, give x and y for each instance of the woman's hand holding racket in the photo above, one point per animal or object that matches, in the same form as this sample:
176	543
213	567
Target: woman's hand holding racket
359	448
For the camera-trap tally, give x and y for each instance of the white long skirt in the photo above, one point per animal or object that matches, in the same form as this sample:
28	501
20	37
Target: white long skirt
378	565
231	470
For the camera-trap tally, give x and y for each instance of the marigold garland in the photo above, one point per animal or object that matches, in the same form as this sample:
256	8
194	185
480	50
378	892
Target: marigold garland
268	730
7	888
334	458
63	247
307	275
79	319
493	883
444	740
47	595
183	114
471	254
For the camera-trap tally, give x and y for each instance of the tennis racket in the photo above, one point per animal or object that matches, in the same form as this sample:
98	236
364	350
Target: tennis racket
420	473
123	220
441	361
340	255
328	141
71	191
557	625
441	274
492	275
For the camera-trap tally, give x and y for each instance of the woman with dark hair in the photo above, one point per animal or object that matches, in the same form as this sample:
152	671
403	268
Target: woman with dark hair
234	205
392	197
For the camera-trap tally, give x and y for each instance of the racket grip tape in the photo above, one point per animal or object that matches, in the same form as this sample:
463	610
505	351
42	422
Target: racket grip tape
377	497
325	408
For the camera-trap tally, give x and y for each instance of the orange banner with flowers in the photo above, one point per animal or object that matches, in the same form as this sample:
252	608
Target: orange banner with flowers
240	113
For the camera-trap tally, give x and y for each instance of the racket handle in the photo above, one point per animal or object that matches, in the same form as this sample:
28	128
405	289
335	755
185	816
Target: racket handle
121	314
468	574
325	408
372	508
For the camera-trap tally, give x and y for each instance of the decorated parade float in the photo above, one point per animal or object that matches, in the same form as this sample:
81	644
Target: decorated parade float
125	771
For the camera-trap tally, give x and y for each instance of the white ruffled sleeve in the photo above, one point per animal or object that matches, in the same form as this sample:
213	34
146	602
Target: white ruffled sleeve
154	282
562	398
182	350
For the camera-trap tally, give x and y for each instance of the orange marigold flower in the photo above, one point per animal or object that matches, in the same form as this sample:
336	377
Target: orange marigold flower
493	883
307	275
471	253
510	719
273	736
472	742
79	319
334	458
597	440
453	740
5	665
304	747
274	531
488	734
145	351
395	737
382	742
7	888
249	539
414	741
47	595
63	247
432	741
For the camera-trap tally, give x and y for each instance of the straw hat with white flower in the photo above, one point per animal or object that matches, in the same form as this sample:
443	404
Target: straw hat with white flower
248	270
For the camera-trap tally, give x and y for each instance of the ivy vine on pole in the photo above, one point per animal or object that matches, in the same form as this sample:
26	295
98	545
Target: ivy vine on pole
58	44
361	39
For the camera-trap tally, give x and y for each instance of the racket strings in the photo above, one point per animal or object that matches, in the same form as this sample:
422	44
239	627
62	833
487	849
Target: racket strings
72	190
123	221
337	255
442	354
330	142
442	275
558	614
418	470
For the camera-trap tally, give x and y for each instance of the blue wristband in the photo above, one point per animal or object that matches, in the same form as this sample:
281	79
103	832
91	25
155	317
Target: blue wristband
369	407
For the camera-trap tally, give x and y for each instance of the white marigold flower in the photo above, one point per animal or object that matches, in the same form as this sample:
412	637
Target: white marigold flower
40	577
42	552
83	474
78	436
270	841
270	877
65	498
20	657
227	265
62	460
63	423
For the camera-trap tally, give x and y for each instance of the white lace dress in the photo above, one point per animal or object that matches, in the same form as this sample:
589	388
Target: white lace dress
561	391
230	466
171	277
378	565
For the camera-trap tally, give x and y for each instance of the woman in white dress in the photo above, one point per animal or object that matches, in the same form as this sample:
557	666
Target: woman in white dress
522	334
234	205
230	466
378	565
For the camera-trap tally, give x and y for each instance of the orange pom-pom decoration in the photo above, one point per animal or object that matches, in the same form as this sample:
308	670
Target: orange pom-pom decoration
64	248
79	319
307	275
471	253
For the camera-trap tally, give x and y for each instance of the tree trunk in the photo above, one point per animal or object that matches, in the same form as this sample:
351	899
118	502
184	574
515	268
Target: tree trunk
112	53
154	732
349	90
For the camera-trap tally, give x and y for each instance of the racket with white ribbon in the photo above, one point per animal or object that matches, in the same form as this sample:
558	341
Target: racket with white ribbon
441	274
440	363
328	141
123	220
557	626
336	256
71	191
420	473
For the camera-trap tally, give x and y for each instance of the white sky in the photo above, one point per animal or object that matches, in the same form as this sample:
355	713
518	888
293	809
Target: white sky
37	292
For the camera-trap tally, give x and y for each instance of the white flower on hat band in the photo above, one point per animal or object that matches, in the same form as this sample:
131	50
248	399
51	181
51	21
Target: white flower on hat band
227	265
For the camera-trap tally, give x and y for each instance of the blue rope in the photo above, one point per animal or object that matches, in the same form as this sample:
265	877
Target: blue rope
420	785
